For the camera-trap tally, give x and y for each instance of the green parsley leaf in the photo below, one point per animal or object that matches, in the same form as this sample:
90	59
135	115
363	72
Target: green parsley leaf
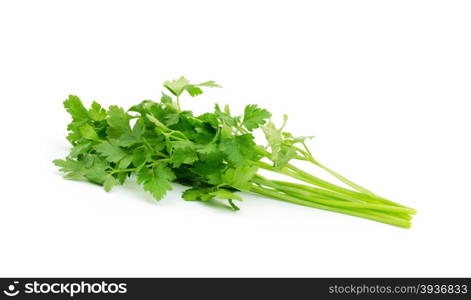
97	113
239	177
73	169
90	167
118	121
274	139
238	149
88	132
112	153
165	99
75	108
109	182
177	86
183	153
156	180
198	194
209	83
81	148
193	90
205	194
133	137
254	117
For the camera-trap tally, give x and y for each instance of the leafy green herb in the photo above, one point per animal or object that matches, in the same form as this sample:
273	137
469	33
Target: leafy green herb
215	154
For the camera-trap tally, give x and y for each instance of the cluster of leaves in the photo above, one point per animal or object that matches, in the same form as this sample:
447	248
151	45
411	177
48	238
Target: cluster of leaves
214	154
158	143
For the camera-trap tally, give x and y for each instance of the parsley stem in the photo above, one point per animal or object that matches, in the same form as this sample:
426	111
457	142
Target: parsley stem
123	170
320	182
343	179
306	177
379	217
323	199
348	182
290	186
296	173
178	103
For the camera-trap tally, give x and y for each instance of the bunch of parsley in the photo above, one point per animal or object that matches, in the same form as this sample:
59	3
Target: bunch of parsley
214	154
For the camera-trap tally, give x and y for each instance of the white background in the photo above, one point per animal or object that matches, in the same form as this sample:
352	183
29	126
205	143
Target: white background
383	85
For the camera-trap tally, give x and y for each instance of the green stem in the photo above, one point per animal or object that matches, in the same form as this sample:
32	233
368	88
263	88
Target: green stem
303	176
309	157
333	195
307	195
178	103
344	180
363	214
367	196
322	183
306	177
172	133
123	170
319	191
